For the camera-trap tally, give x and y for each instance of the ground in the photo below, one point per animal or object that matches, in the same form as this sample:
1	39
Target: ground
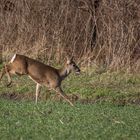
106	107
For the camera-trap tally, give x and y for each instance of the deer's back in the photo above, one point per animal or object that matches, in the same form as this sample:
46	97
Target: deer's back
38	71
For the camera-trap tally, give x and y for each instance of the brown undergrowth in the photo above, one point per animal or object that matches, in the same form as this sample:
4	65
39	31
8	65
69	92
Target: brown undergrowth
99	33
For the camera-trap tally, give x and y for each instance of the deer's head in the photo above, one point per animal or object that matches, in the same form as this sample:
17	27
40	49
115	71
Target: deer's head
71	66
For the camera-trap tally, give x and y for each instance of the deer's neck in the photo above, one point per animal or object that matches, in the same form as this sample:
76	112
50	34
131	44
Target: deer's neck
64	72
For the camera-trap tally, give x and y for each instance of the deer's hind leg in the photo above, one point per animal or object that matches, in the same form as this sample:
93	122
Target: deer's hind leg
8	76
4	71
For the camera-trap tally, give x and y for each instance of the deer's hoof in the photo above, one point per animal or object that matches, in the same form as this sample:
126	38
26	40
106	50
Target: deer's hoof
9	84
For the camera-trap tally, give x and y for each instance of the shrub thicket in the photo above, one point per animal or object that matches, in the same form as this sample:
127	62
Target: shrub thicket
100	32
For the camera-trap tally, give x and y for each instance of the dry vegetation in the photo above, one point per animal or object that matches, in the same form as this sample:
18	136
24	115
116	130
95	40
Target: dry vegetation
97	32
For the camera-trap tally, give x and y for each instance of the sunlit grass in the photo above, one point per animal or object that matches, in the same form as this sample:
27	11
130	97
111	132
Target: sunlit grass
111	86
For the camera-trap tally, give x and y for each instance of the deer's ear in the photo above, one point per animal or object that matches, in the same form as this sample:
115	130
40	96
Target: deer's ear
68	61
72	58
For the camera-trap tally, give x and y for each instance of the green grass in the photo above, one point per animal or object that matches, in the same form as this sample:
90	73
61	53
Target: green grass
110	87
59	121
114	116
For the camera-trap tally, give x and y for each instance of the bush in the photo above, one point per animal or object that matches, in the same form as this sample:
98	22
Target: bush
101	32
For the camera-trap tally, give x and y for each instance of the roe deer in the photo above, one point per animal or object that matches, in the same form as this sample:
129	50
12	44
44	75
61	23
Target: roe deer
40	73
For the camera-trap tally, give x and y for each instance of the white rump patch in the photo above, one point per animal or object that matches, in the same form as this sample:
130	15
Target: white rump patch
13	58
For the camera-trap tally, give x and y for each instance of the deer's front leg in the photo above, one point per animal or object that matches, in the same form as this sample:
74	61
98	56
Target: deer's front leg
61	93
37	91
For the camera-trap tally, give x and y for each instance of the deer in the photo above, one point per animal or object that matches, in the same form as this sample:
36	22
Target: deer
40	73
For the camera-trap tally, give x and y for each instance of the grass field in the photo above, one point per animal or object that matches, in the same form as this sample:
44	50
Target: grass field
57	121
107	108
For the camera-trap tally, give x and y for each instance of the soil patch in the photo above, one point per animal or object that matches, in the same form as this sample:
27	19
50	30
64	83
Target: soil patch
72	97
